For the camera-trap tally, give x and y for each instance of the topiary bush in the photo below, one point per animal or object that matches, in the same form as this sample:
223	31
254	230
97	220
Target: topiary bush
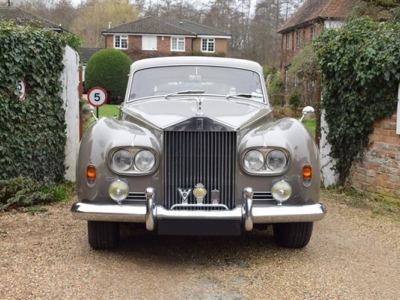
109	69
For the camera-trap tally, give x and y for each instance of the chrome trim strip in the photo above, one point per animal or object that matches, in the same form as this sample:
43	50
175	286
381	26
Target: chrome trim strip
108	212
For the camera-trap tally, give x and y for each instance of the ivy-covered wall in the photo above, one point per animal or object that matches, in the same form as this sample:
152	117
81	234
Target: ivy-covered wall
360	66
32	131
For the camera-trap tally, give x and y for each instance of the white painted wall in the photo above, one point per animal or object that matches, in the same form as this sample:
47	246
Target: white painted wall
70	81
333	24
328	176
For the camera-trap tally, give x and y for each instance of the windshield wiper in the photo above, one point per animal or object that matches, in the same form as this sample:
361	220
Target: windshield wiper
240	95
185	92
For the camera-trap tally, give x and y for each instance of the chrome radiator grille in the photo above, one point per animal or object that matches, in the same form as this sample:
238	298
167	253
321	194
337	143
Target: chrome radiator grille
192	157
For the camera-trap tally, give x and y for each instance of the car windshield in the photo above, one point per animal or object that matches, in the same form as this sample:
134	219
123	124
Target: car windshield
186	80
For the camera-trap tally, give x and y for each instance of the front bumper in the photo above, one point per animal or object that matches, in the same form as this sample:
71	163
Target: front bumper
150	214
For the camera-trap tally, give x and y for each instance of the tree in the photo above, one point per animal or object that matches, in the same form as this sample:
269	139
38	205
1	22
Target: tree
304	69
98	15
109	69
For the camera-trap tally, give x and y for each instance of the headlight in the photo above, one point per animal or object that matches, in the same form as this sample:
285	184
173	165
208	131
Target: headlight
122	160
145	160
276	160
253	160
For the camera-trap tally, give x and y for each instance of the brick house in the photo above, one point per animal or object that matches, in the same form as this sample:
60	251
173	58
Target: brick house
150	36
306	23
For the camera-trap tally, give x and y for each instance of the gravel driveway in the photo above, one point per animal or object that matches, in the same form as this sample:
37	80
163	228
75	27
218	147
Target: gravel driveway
350	256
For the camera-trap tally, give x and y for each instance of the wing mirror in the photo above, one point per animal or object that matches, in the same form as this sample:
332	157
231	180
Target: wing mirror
87	112
306	110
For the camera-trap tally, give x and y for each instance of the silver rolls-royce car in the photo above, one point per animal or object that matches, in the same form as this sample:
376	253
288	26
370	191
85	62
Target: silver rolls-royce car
195	150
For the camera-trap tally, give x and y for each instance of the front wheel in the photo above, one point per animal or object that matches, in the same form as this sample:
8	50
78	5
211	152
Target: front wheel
293	235
103	235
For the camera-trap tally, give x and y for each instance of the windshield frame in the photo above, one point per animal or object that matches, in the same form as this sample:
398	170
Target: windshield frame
256	82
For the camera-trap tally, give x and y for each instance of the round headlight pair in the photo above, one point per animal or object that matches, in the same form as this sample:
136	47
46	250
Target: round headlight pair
254	160
123	160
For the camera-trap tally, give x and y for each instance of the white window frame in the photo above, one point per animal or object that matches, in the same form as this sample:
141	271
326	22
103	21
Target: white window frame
149	42
208	43
120	39
179	41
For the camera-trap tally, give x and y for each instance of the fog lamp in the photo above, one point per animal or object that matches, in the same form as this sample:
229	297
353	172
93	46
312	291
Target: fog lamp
281	191
118	191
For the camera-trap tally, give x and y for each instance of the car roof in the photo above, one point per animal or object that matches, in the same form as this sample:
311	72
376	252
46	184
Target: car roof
196	60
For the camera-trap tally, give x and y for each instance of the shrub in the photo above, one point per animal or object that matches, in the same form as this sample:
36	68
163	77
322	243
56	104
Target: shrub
25	191
109	69
275	89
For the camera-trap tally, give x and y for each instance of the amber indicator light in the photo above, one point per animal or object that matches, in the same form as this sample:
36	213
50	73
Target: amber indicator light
91	172
307	172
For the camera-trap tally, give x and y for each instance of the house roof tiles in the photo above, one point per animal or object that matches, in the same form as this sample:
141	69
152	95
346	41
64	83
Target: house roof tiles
151	25
20	16
319	9
87	53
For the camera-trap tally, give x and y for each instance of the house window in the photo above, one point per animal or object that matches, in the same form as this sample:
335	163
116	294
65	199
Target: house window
149	42
297	39
177	44
287	41
312	32
208	45
121	41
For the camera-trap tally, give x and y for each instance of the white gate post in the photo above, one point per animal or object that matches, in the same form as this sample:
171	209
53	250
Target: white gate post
70	96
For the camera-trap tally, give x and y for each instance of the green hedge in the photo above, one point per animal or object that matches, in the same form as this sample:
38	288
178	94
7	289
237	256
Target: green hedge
32	131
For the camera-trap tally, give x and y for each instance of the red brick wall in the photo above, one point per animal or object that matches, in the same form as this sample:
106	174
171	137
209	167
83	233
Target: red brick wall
379	170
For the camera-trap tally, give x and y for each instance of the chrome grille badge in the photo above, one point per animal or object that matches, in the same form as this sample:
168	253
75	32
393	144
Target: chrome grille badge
185	193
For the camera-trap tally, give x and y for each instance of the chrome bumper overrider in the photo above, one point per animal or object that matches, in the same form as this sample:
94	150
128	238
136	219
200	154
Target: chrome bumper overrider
150	213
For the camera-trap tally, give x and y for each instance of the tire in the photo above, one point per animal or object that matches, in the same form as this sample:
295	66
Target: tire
103	235
293	235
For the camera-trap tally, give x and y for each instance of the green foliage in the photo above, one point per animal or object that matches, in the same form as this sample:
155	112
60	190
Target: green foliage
25	191
32	131
304	68
311	125
360	64
73	41
109	69
294	101
274	85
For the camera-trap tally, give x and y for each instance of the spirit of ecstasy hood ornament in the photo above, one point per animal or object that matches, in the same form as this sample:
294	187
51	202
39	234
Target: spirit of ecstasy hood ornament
199	112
